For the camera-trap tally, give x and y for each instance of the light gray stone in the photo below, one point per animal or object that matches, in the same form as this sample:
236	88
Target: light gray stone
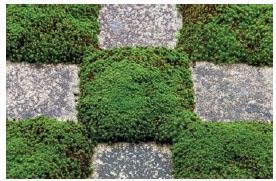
131	161
233	92
138	25
48	90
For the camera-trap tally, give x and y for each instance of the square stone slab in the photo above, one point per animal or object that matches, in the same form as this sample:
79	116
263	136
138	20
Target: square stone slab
131	161
233	92
48	90
142	24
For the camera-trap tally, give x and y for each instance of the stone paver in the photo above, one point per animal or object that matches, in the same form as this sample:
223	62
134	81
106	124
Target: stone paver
41	90
131	161
233	92
143	25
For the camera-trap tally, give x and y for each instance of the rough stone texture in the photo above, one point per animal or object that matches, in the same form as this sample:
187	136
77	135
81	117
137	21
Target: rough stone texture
233	92
131	161
143	25
41	90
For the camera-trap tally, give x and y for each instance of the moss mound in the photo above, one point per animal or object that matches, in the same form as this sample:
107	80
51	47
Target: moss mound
128	93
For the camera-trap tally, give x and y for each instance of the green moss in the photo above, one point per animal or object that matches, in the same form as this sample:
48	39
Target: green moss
128	93
224	150
194	13
46	148
227	33
51	33
184	121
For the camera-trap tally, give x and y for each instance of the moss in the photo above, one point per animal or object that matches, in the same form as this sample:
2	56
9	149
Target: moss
51	33
128	93
46	148
224	150
227	33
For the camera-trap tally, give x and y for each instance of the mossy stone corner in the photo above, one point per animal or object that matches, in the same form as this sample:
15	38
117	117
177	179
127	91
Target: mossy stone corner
128	93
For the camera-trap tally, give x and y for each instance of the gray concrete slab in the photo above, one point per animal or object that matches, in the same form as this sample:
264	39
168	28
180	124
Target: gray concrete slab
49	90
233	92
132	161
142	24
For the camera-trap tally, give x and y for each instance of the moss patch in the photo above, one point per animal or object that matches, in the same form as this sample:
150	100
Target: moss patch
227	33
51	33
46	148
224	150
128	93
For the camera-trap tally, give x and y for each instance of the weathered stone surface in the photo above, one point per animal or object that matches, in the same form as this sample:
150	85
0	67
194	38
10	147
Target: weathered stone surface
131	161
48	90
143	25
233	92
